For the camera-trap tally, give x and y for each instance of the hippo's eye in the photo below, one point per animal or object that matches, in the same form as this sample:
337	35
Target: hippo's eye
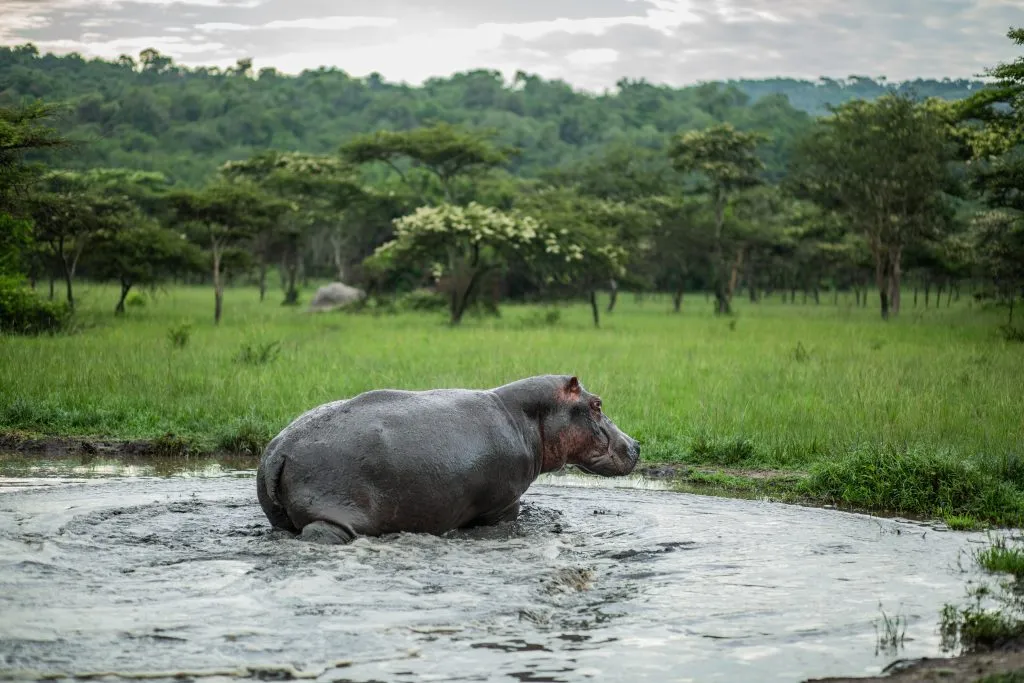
596	404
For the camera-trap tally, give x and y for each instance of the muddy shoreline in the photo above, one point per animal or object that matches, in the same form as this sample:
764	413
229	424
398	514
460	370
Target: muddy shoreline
964	668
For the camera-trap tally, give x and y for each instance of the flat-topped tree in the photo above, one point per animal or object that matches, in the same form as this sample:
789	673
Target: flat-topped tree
68	211
321	188
447	152
145	253
992	123
726	160
884	166
223	215
602	234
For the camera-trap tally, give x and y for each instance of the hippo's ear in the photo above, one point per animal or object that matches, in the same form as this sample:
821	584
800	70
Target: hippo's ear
573	385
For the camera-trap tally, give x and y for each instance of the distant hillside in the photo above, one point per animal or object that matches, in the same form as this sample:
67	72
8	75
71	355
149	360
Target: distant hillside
152	114
814	97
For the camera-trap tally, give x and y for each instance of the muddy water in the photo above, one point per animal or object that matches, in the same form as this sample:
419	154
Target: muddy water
101	572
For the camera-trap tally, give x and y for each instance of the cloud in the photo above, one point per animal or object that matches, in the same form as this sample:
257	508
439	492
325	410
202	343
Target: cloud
314	23
589	43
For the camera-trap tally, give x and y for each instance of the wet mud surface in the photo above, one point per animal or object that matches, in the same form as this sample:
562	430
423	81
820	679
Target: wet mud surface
151	576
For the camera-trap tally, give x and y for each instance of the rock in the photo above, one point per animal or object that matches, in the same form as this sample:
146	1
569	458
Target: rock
335	295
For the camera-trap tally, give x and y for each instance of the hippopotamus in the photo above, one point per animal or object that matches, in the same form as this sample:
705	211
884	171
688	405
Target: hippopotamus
389	461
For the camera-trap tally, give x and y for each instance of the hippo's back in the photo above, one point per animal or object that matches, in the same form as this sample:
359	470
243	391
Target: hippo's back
399	461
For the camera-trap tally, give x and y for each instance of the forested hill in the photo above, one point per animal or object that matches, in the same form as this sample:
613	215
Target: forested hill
152	114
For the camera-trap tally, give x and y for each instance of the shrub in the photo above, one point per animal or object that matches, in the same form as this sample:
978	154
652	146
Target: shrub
180	335
422	300
22	311
898	479
258	354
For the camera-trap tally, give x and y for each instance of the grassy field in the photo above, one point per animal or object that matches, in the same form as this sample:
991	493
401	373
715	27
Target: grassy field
921	415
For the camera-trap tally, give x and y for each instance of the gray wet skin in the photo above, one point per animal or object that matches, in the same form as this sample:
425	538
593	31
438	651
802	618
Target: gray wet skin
387	461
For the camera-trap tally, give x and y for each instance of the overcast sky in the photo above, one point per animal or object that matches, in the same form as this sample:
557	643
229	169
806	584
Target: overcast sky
590	43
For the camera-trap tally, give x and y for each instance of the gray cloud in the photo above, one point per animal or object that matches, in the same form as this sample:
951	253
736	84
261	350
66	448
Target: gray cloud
590	43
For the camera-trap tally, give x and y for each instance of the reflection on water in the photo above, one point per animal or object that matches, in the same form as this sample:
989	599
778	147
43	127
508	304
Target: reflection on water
142	567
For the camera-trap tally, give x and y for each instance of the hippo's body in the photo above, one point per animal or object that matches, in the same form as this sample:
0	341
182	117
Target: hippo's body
431	461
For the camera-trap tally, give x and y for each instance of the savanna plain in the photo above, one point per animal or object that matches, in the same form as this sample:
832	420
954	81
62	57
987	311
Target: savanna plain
815	403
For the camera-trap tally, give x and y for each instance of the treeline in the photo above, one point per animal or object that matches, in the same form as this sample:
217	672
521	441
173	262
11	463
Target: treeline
148	113
698	189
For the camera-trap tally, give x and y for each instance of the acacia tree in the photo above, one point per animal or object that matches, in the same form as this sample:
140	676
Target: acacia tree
224	215
463	244
726	161
445	152
599	228
680	243
884	165
142	254
992	125
320	187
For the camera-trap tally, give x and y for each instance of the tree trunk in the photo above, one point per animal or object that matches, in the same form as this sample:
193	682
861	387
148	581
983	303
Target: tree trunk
835	296
735	274
927	292
753	291
721	286
218	286
593	308
614	286
817	295
949	295
792	295
882	282
677	300
263	280
459	305
805	297
896	280
67	281
291	294
51	286
938	295
957	288
1010	321
915	294
336	253
125	287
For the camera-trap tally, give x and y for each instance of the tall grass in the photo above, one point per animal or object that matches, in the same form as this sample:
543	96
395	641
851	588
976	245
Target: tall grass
778	386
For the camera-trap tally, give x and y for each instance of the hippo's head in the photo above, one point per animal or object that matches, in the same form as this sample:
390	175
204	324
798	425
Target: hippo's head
575	431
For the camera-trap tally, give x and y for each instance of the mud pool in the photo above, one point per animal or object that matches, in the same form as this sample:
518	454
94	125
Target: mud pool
131	570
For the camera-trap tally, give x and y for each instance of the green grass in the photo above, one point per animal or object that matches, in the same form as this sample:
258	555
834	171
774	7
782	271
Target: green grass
919	415
1003	558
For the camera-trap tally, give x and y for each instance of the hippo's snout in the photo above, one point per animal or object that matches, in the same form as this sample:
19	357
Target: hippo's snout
633	449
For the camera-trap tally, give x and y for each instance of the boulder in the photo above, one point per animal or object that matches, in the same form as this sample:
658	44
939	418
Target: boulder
335	295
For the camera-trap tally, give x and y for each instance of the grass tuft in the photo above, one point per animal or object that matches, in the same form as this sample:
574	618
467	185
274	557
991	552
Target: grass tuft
913	480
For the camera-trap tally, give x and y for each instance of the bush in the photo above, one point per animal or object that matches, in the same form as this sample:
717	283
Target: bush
422	300
135	300
22	311
887	477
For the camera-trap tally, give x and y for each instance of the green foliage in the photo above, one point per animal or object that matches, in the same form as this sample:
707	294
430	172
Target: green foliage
994	614
179	335
22	311
15	239
258	353
443	150
187	122
887	477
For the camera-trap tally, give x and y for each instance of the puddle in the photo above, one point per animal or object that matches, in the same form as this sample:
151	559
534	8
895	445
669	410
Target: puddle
135	571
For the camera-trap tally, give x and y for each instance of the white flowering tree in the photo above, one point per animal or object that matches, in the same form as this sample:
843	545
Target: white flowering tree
462	244
602	235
